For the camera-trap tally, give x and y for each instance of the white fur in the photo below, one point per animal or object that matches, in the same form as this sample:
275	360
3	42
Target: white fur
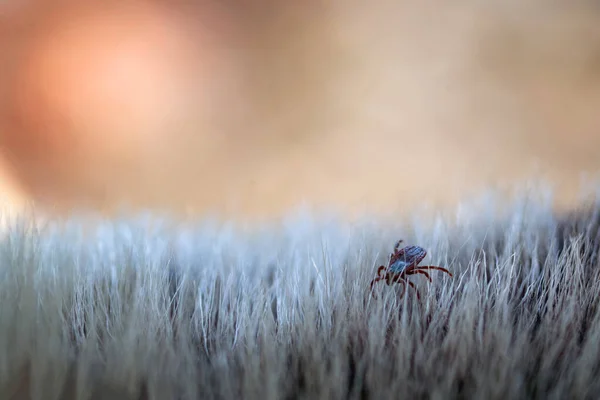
294	313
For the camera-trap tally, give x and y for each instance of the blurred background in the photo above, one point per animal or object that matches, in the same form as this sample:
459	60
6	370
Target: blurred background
249	108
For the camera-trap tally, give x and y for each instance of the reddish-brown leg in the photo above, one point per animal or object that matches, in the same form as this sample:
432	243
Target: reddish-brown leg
397	246
374	281
392	278
415	271
378	278
403	282
400	279
397	278
433	267
412	285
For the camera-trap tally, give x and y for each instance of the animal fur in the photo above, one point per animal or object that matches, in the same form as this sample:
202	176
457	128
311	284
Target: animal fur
143	308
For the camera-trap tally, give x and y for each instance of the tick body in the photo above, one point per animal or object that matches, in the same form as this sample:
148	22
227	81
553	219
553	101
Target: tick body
403	262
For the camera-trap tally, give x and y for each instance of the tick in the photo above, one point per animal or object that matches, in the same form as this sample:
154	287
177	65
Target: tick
403	262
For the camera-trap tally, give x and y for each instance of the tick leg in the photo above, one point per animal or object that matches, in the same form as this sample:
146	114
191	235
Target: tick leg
398	278
372	291
433	267
403	282
416	271
397	246
374	281
378	277
412	285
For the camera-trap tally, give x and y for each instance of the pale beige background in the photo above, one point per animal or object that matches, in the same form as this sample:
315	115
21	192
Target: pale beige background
251	107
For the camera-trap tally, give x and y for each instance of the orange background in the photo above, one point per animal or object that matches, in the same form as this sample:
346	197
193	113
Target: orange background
250	108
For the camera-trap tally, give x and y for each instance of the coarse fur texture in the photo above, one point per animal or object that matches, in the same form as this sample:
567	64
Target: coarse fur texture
145	309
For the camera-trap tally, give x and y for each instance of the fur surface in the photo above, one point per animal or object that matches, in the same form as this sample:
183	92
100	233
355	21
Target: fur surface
148	309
